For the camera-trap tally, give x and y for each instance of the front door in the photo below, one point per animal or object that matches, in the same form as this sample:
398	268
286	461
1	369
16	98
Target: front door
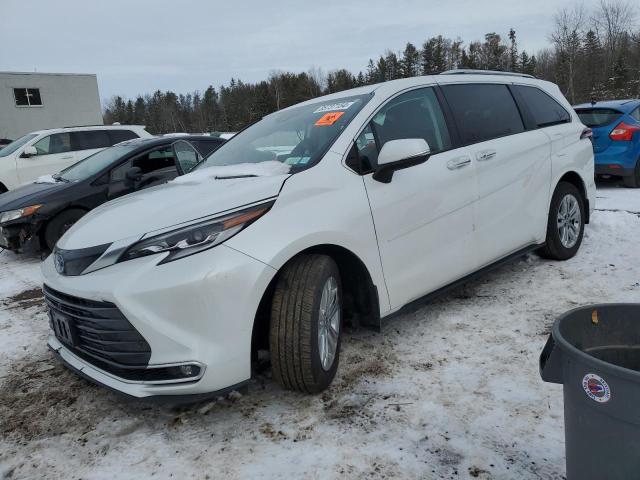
54	154
424	218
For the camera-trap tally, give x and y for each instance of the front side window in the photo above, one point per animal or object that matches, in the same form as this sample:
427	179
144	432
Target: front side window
415	114
298	136
27	97
16	144
545	110
90	140
597	117
483	111
56	143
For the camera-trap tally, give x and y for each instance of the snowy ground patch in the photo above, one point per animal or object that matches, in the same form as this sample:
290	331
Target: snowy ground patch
450	390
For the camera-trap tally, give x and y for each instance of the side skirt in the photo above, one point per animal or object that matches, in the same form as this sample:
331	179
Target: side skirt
420	302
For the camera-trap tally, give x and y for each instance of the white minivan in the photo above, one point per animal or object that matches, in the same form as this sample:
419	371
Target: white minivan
345	208
46	152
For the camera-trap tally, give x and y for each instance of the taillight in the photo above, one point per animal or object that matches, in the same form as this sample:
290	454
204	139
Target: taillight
586	133
623	132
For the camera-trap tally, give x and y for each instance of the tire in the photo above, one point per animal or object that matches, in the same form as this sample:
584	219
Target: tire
60	224
556	248
296	321
633	180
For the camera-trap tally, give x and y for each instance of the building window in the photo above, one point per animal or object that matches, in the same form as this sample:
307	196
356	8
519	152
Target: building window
27	97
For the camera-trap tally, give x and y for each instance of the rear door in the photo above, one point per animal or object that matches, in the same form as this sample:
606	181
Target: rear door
513	167
55	153
88	142
424	216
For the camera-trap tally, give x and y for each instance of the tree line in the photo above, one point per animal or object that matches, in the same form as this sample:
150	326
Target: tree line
592	55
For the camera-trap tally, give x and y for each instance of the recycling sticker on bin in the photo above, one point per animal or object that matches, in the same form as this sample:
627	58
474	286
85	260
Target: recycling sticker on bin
596	388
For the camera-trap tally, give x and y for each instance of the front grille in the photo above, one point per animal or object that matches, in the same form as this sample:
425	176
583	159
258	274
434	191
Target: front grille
99	333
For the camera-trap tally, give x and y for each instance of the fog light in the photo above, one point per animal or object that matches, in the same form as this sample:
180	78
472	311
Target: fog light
187	370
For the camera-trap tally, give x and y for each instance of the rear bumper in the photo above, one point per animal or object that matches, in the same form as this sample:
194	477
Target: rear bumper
618	159
613	169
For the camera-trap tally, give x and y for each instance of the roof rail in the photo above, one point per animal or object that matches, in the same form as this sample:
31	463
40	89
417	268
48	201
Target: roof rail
103	125
471	71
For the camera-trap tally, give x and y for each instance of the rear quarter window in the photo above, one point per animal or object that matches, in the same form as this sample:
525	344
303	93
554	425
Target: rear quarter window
117	136
546	111
598	117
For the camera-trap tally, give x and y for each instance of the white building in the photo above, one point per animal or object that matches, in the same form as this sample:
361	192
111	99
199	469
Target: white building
35	101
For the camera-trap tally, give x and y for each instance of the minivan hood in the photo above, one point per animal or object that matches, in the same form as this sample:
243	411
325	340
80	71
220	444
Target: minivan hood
185	199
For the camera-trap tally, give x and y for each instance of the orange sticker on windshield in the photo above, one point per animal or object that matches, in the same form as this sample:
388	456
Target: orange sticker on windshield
329	119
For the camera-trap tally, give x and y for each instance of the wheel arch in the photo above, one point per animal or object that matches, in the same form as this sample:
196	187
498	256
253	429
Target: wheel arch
576	180
45	224
360	295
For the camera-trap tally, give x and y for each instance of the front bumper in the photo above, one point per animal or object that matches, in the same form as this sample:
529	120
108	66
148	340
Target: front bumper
197	309
20	237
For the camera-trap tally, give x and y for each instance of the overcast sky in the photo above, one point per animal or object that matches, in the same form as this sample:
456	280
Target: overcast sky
137	46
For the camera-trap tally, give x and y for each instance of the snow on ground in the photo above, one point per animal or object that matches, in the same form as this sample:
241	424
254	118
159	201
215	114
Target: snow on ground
450	390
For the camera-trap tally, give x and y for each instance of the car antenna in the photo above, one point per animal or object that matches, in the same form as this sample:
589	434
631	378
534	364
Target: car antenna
593	100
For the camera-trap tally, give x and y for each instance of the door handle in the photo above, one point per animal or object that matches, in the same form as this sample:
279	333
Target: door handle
68	157
459	162
486	155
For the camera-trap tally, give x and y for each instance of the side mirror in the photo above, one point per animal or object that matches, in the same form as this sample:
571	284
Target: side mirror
29	152
400	154
134	175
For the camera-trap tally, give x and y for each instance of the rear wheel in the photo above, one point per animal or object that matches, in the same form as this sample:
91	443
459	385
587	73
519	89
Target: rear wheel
633	180
60	224
565	226
306	324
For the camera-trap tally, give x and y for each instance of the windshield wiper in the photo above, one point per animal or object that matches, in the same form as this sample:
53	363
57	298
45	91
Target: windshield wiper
230	177
58	178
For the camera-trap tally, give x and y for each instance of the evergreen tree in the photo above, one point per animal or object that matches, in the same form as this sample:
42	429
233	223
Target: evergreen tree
410	64
513	52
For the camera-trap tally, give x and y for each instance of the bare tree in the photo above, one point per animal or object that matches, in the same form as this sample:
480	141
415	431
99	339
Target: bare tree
566	38
613	19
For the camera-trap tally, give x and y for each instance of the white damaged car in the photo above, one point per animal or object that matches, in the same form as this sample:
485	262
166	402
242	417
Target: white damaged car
345	208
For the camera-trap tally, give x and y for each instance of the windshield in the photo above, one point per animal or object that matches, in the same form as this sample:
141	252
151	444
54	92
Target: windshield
16	144
95	163
297	137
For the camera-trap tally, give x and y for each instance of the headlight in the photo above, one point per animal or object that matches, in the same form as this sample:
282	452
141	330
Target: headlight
195	238
16	214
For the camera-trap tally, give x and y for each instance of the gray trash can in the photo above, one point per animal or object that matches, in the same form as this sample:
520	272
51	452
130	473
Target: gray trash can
594	352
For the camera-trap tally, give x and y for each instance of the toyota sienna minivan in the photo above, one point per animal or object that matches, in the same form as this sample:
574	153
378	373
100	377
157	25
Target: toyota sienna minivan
345	208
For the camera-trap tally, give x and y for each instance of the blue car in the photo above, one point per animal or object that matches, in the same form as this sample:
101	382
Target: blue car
616	137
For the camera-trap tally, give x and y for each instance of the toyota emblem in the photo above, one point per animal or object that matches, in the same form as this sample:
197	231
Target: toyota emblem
58	261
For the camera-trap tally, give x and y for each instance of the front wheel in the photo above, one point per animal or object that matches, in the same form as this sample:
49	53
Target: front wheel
306	324
565	226
60	224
